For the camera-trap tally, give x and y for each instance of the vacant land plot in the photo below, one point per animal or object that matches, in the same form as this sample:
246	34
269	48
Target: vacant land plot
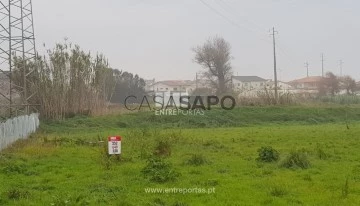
309	156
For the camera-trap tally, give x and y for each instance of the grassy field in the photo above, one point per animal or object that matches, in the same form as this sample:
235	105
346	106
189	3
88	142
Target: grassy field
66	163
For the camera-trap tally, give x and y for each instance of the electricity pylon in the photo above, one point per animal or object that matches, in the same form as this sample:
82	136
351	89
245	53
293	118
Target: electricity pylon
17	49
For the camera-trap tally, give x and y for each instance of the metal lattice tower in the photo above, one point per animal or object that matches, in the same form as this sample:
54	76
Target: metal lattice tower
17	40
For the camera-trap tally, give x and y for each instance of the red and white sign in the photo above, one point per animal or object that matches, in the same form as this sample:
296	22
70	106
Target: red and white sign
114	145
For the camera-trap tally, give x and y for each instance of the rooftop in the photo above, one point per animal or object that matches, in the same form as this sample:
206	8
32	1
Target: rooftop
249	78
311	79
176	82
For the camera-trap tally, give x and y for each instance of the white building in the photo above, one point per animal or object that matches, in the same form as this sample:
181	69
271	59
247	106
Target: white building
283	87
149	85
248	83
174	86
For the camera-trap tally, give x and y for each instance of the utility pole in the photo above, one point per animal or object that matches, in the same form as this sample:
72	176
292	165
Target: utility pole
307	68
196	80
322	64
275	72
341	67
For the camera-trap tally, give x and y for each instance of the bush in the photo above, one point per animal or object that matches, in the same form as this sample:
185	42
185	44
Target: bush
295	159
157	170
16	194
268	154
197	160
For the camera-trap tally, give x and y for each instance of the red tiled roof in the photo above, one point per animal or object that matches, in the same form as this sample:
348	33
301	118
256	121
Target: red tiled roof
312	79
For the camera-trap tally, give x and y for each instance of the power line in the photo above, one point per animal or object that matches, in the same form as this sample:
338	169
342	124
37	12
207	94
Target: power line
234	23
230	9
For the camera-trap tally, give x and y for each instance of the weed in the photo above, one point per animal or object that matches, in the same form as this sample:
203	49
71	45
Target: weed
122	124
320	153
278	191
157	170
298	158
307	177
13	168
268	154
16	194
267	172
105	158
180	204
345	188
212	182
195	172
223	170
158	202
163	148
197	160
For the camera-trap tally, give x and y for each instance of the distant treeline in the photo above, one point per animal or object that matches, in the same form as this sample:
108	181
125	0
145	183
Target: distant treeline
69	81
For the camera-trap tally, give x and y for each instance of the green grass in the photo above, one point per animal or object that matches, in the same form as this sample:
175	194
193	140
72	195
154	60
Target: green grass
65	164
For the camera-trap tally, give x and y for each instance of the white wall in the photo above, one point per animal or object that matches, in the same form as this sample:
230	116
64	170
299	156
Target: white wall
160	87
246	86
17	128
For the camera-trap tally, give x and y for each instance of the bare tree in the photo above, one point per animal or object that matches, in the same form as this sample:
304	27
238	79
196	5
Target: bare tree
329	85
349	84
214	56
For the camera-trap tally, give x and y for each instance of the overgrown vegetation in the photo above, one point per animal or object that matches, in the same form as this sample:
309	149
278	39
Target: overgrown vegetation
158	170
268	154
238	117
197	160
163	148
68	81
66	162
296	159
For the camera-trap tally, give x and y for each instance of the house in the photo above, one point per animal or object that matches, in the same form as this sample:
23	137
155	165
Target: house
174	86
358	88
283	87
247	83
307	86
307	83
149	85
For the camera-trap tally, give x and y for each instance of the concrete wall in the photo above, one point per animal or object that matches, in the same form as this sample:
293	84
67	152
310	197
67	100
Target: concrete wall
17	128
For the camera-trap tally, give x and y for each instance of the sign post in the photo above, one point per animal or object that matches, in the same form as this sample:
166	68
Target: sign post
114	145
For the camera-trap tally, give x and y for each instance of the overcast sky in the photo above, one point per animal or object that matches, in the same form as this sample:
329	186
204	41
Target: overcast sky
153	38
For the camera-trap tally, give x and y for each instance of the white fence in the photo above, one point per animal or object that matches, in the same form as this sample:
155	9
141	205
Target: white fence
17	128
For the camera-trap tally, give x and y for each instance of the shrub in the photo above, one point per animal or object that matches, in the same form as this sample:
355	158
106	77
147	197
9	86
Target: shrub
15	194
321	154
278	191
197	160
295	159
163	148
12	168
268	154
157	170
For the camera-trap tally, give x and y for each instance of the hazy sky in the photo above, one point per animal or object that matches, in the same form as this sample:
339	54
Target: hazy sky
154	37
